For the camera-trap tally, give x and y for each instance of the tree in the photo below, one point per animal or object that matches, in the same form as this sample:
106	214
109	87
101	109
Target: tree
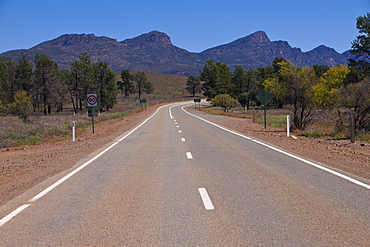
126	85
23	74
81	81
45	81
225	101
361	46
64	76
22	105
104	81
7	80
193	85
239	80
356	96
293	85
217	79
140	79
327	91
320	69
148	87
243	99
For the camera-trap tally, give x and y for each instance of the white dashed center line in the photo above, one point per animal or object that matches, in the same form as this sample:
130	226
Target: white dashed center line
205	198
188	154
183	139
180	131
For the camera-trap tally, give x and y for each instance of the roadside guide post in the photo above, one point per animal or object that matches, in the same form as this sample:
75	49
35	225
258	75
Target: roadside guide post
287	125
353	126
73	131
265	97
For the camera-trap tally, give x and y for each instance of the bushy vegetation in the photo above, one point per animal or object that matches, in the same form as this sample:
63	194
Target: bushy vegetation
52	89
343	89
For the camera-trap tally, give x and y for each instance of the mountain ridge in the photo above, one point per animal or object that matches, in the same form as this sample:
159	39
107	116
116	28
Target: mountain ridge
154	52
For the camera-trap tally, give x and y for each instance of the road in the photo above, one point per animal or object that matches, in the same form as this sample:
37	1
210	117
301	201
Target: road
177	180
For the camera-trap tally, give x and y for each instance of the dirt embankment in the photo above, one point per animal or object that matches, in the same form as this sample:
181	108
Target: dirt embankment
24	167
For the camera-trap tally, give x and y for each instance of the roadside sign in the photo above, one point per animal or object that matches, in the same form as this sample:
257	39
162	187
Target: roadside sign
265	97
142	101
92	100
197	101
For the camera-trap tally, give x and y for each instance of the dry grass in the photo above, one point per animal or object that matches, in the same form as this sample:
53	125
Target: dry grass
14	132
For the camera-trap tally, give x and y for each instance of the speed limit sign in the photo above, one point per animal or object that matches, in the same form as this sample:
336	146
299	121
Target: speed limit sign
92	100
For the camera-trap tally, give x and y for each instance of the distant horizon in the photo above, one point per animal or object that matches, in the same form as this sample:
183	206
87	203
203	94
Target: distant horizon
172	41
194	25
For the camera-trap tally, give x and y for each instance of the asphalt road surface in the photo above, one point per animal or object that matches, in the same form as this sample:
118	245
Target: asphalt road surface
177	180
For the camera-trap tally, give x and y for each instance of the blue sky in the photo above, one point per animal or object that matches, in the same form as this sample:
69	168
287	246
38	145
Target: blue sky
194	25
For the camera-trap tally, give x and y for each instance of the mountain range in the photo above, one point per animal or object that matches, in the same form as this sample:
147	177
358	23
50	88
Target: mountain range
154	53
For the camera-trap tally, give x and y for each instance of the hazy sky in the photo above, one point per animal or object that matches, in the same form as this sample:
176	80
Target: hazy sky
194	25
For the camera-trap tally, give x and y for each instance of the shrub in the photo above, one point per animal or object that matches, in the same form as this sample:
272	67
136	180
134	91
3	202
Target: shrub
225	101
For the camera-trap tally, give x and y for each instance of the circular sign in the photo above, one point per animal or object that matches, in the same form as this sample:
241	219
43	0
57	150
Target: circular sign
92	100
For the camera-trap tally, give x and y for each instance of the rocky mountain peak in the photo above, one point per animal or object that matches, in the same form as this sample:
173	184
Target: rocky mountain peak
154	37
77	39
259	37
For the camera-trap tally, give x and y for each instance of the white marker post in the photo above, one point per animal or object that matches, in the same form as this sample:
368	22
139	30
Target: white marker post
288	125
73	131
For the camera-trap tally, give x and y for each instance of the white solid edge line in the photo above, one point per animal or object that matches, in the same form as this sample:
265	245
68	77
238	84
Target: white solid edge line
13	214
205	198
367	186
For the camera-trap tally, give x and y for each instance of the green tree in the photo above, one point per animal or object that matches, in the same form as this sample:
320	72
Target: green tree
64	76
194	85
239	80
80	85
243	99
24	74
225	101
22	105
148	87
7	80
45	81
126	85
293	85
104	81
217	79
320	69
361	46
140	80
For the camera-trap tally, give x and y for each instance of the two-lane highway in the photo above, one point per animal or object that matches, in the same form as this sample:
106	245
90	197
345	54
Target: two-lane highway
178	180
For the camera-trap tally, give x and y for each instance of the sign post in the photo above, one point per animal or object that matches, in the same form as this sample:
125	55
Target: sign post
143	101
197	101
265	97
92	105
